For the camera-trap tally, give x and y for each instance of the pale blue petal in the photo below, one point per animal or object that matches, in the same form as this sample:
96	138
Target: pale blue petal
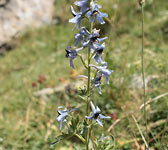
89	13
100	20
99	122
106	77
60	125
97	110
103	14
71	63
100	90
92	106
91	48
101	60
85	44
104	117
73	20
93	5
91	117
96	58
74	27
73	11
91	19
59	118
101	39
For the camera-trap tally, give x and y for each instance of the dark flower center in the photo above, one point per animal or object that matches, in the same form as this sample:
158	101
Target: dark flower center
94	13
99	51
67	53
96	115
94	38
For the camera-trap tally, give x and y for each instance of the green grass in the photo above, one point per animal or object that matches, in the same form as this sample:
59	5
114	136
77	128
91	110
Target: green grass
28	122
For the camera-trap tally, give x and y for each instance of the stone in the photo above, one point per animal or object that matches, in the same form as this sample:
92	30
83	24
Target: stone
18	15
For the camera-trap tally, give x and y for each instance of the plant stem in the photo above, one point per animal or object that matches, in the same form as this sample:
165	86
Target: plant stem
83	62
88	92
143	74
80	137
140	131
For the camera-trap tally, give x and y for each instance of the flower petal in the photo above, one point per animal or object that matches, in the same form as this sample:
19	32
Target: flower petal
73	11
92	106
98	109
96	57
91	19
99	122
99	19
71	63
89	13
104	117
91	117
60	125
101	39
106	77
100	90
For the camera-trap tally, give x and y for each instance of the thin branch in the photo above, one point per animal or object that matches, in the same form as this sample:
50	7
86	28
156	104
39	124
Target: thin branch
152	100
140	132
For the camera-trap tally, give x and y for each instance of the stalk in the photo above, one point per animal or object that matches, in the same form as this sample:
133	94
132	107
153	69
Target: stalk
88	92
143	75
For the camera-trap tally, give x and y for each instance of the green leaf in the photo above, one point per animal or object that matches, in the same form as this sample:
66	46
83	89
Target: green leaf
62	137
85	128
81	97
74	123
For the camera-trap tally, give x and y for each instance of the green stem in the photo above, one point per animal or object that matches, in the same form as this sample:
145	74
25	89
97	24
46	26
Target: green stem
143	74
80	137
83	62
143	138
88	92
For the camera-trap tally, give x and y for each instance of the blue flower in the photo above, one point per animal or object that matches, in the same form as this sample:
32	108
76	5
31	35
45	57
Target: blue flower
77	18
103	69
95	34
97	82
95	13
61	116
98	53
84	4
81	36
71	54
96	114
93	39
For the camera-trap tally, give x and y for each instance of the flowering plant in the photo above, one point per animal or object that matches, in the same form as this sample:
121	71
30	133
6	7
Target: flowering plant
91	40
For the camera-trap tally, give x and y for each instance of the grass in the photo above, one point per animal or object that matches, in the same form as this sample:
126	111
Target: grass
28	122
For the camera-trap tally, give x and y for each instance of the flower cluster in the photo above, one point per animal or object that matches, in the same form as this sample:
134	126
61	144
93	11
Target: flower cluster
95	45
92	40
87	39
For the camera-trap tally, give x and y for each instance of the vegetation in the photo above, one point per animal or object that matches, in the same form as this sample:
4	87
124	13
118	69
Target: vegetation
29	122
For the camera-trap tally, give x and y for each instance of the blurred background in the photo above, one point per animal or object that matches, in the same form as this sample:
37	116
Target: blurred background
35	77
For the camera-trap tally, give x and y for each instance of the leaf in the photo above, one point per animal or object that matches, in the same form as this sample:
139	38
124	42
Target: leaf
74	123
81	97
85	127
62	137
